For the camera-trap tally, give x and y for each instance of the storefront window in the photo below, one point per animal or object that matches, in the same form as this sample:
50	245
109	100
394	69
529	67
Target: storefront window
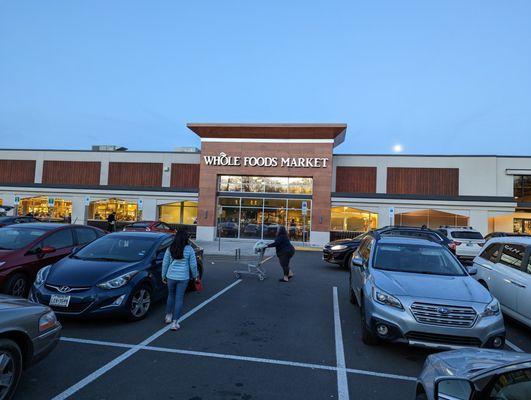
433	219
181	212
352	220
256	218
46	209
522	188
265	184
125	210
522	225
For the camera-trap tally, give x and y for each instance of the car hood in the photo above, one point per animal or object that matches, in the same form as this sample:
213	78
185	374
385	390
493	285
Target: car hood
5	253
346	242
440	287
471	361
9	302
74	272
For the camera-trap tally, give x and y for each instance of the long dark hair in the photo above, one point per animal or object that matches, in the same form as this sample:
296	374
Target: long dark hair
282	231
180	240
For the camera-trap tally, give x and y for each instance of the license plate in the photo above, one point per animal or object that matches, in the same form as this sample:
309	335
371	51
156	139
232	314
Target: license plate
59	300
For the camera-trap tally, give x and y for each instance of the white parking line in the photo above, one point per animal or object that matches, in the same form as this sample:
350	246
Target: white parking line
513	346
113	363
342	382
241	358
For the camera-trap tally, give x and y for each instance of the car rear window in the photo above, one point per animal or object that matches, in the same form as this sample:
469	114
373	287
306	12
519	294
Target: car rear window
466	235
139	225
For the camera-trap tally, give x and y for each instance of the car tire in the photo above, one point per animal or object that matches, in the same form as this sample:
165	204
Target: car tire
352	296
11	358
346	263
17	285
139	303
367	337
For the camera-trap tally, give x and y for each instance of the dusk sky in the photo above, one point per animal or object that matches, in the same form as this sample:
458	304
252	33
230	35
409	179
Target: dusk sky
437	77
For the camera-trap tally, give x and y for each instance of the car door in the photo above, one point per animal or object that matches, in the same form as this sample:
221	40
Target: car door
509	270
358	273
62	241
524	293
156	265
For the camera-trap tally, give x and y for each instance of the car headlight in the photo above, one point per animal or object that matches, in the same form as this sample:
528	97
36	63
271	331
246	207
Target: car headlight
42	275
338	247
47	321
493	308
385	298
117	282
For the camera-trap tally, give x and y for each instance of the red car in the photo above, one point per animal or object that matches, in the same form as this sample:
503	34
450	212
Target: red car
26	248
149	226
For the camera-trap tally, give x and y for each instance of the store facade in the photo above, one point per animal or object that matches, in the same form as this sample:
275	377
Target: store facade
248	179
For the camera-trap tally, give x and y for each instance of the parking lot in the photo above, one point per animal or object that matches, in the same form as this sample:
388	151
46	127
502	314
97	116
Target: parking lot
240	339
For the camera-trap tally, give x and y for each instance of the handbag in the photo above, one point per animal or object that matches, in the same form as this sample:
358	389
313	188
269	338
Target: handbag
198	285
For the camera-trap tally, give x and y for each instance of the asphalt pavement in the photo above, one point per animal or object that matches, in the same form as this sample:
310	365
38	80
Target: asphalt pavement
240	339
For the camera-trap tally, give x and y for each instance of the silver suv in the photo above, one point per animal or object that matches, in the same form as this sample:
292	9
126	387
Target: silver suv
415	291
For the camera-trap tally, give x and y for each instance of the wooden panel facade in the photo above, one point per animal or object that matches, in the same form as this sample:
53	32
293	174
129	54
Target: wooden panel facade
135	174
356	179
17	171
71	172
185	176
423	181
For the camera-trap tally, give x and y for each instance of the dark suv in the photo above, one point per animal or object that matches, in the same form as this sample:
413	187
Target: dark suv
26	248
340	251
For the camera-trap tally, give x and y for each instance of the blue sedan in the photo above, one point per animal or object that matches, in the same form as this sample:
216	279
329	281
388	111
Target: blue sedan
119	274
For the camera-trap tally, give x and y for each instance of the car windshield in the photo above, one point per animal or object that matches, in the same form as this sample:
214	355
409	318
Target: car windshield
17	238
116	248
466	235
417	259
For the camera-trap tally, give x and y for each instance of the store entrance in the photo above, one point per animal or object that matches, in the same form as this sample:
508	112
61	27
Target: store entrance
259	218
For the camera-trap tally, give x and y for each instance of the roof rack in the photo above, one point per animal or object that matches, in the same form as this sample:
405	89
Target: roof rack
456	227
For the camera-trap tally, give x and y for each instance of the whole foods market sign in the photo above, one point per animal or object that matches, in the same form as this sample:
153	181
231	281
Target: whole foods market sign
223	160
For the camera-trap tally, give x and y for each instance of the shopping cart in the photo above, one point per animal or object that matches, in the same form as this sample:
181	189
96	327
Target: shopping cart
256	268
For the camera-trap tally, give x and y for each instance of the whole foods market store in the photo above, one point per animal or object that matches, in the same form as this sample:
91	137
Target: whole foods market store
254	178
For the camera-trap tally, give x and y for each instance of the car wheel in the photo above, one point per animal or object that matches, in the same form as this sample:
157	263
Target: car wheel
139	303
17	285
10	367
352	295
346	263
367	336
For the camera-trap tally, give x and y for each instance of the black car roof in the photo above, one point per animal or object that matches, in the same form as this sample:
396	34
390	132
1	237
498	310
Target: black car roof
156	235
406	240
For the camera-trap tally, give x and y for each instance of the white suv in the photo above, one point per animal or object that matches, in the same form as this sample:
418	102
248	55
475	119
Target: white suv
468	241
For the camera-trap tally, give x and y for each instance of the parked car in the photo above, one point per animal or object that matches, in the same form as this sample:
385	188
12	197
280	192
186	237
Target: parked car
119	274
475	374
228	229
415	291
468	241
503	234
28	333
26	248
149	226
504	268
340	251
4	210
6	221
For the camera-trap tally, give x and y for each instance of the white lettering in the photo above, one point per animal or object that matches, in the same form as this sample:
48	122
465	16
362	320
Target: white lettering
250	161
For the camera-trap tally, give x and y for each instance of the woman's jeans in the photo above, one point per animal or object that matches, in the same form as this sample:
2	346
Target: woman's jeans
174	304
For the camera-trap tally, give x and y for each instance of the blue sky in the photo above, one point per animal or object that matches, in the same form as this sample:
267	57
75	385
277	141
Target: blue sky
438	76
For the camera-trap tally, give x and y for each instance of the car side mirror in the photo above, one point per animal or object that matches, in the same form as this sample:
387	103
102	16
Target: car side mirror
47	250
472	270
450	388
357	261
